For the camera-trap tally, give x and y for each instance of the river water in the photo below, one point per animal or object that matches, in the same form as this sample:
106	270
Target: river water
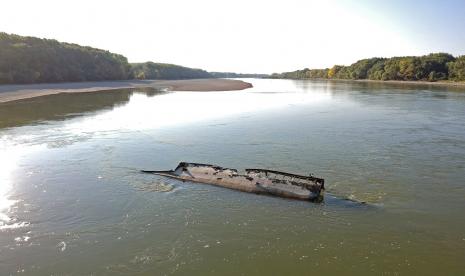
72	201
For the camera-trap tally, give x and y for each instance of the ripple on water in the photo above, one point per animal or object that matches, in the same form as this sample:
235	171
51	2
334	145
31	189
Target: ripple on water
150	183
160	187
12	224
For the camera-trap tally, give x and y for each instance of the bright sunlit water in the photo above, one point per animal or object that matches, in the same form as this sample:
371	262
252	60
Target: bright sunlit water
72	201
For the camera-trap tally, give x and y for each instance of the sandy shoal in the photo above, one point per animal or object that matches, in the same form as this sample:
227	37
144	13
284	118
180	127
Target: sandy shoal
16	92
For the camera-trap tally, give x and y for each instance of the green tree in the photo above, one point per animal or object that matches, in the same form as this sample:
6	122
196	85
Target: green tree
456	69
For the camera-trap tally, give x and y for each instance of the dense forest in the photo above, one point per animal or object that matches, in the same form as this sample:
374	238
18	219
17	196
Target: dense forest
152	70
432	67
35	60
32	60
237	75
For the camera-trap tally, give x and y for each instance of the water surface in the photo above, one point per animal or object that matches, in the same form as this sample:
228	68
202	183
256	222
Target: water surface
73	202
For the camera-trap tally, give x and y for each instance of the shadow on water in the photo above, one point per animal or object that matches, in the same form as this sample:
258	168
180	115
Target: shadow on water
65	105
346	202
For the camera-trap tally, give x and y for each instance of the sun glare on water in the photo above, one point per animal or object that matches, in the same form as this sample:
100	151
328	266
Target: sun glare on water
9	159
180	108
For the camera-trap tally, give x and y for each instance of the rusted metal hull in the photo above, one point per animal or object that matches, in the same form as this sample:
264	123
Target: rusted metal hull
259	181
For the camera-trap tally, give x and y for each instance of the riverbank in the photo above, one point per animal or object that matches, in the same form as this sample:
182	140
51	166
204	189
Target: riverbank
437	83
460	84
16	92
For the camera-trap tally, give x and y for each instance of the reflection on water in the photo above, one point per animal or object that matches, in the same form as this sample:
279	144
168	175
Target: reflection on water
63	106
70	188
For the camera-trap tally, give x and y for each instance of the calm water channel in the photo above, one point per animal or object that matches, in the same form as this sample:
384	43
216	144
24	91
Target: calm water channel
72	201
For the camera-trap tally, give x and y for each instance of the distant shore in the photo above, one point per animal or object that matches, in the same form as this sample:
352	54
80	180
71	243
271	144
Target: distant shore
436	83
16	92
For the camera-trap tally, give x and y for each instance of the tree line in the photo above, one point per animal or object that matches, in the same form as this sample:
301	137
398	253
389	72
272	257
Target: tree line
432	67
35	60
237	75
152	70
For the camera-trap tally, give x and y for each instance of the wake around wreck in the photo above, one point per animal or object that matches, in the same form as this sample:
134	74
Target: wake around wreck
259	181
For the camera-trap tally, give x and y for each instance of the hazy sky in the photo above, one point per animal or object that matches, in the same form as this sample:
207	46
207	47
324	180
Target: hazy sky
245	35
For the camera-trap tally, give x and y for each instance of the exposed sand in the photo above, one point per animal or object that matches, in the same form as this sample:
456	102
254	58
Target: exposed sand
23	91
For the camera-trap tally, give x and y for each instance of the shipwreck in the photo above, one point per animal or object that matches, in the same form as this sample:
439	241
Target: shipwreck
259	181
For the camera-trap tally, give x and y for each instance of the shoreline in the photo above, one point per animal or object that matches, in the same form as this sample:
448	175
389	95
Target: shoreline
15	92
437	83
